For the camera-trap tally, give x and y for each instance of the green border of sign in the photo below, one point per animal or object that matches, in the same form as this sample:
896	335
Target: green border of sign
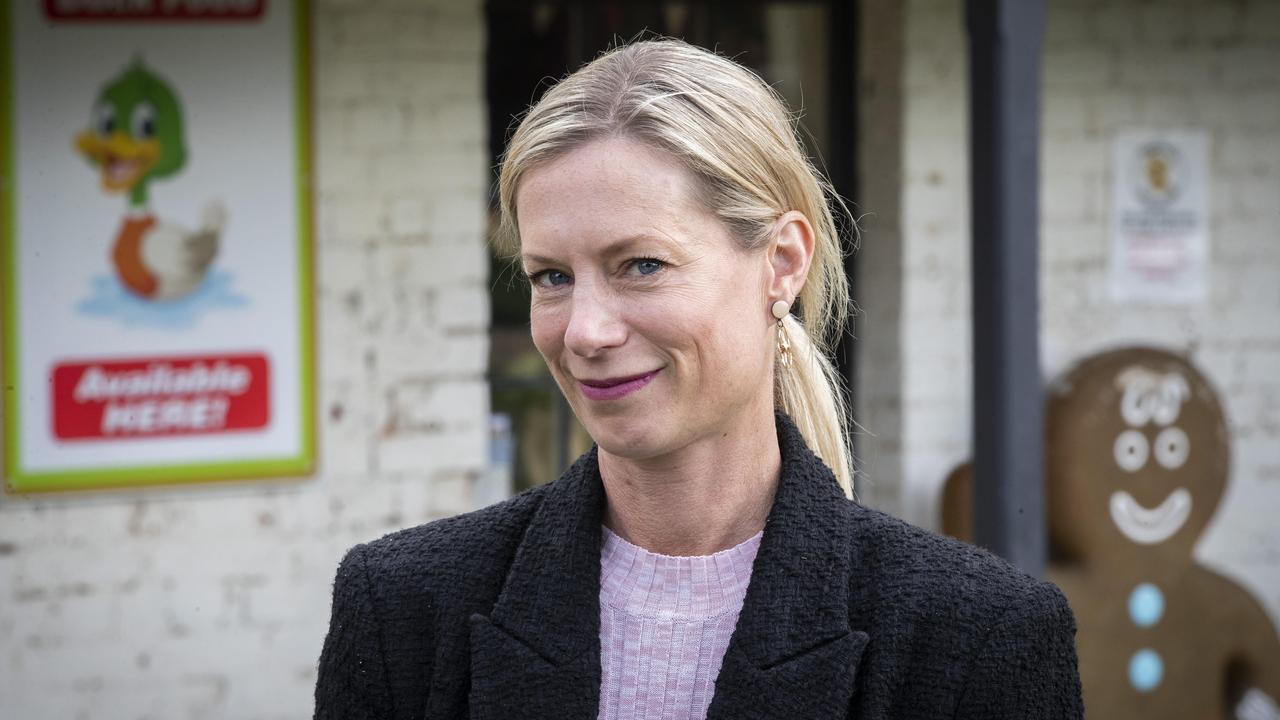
17	481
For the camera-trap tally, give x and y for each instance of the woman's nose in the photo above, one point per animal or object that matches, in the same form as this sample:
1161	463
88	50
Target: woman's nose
594	325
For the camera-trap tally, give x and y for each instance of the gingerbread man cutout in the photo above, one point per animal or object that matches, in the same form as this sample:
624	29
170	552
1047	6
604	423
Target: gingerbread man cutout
1137	452
1137	455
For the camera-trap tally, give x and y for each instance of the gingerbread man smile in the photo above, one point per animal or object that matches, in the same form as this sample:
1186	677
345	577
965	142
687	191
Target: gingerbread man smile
1154	525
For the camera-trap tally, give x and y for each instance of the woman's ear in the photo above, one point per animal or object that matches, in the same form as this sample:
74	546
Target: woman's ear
790	254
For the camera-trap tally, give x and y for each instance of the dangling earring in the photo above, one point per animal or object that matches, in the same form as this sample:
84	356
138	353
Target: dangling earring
784	346
780	310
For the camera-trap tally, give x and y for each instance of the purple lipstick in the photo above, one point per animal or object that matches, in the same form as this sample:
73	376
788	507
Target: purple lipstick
614	388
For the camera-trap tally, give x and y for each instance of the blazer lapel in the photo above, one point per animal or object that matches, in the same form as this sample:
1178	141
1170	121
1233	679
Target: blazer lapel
537	654
793	652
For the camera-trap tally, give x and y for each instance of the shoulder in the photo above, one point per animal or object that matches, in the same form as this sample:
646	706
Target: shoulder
950	620
451	553
398	598
937	579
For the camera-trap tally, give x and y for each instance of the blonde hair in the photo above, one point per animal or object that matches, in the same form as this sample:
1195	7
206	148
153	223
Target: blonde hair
734	133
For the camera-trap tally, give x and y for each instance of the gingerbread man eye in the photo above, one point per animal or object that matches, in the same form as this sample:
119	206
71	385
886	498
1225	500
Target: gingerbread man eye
1131	450
1172	448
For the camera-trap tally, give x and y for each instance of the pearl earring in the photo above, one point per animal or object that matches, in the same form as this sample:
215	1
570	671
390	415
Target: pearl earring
780	309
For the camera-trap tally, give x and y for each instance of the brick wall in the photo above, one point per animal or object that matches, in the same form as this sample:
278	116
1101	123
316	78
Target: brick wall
879	281
1211	65
212	603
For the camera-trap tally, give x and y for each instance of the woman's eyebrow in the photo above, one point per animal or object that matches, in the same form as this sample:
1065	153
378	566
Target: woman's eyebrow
528	258
623	245
613	248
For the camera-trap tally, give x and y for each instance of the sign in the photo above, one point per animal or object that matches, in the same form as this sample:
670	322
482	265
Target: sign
141	10
156	242
160	397
1160	217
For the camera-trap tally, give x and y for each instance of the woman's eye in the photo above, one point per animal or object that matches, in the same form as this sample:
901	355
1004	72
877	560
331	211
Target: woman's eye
549	278
647	266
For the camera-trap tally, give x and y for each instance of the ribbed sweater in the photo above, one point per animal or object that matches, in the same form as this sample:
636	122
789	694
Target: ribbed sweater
665	623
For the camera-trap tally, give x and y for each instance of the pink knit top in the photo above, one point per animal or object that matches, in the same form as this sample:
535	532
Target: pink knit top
665	623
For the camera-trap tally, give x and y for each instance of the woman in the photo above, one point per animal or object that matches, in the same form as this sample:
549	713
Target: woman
701	560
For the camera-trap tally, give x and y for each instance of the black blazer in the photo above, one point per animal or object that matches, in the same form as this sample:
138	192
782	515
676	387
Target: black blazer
849	613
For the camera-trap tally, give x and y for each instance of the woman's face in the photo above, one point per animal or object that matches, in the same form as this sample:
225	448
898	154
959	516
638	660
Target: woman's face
653	320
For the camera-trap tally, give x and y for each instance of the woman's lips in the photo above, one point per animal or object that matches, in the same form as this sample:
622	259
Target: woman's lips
614	388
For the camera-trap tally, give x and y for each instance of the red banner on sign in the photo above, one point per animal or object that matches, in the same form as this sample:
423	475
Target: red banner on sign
143	10
160	396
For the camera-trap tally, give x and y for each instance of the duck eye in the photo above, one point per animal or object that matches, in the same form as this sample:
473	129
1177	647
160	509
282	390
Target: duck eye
104	119
143	122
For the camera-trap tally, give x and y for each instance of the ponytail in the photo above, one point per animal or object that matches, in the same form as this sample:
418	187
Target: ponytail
807	388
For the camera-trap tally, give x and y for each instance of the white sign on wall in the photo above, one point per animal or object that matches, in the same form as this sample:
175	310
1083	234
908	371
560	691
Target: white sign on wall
154	164
1160	217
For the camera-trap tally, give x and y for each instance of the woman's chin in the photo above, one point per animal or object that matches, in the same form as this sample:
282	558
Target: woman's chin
630	438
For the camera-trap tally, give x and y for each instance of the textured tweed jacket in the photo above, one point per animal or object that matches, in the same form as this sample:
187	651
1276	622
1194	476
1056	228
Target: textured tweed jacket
849	614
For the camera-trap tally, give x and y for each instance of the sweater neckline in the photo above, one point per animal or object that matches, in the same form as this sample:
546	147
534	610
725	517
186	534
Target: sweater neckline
686	588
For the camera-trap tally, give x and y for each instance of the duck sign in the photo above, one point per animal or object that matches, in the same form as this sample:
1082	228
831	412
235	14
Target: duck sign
156	242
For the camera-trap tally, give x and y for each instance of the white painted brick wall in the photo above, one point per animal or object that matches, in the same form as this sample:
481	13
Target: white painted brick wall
213	603
935	390
1109	64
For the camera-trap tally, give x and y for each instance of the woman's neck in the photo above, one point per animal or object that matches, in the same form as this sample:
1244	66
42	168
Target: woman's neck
705	497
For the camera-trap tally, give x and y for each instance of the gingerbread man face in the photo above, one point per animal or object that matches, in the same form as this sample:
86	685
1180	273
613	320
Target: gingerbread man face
1138	456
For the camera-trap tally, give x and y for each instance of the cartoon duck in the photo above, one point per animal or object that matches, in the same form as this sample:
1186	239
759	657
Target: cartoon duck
137	137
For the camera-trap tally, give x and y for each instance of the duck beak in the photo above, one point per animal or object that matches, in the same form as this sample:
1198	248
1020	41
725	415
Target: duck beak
124	161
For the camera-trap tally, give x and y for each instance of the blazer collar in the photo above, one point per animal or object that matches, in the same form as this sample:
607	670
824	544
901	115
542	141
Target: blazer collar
537	654
793	653
540	645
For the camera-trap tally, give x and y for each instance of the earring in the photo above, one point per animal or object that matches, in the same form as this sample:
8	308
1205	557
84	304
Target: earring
784	344
780	309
